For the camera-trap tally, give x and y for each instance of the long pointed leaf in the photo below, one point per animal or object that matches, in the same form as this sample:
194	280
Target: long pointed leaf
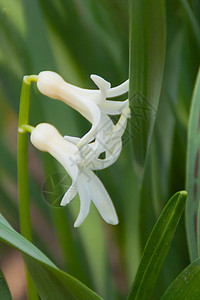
193	20
193	172
4	289
147	56
186	285
51	282
156	248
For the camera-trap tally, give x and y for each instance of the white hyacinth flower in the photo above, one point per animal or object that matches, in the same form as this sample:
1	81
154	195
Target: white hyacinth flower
92	104
45	137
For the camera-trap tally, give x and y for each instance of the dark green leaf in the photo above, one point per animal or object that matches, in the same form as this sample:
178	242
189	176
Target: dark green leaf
87	33
186	286
192	18
156	248
37	39
148	212
4	289
193	173
50	282
147	56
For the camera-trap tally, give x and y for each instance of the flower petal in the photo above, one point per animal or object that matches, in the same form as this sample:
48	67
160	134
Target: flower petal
101	199
120	127
118	90
112	155
69	195
108	140
85	200
113	107
106	125
102	84
72	139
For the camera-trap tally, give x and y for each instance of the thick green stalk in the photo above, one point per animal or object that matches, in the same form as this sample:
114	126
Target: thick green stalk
23	189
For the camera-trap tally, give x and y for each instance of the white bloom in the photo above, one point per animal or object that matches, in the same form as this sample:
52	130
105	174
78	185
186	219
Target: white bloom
46	138
92	104
79	156
107	141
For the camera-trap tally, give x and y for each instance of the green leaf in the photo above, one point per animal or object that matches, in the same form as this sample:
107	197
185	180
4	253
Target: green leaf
148	210
4	289
193	173
165	122
147	56
186	285
9	91
157	247
193	21
35	33
51	282
8	163
86	32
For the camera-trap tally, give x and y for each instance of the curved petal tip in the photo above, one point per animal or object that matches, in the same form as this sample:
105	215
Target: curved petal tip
68	196
113	220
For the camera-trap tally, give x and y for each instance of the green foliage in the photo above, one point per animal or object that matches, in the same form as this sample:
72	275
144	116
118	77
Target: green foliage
51	282
75	39
186	285
157	248
147	57
4	289
193	176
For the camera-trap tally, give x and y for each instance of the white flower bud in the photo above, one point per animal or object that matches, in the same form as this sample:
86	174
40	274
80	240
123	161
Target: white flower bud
50	83
43	135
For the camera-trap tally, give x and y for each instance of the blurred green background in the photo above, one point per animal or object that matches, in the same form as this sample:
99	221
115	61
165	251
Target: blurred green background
77	38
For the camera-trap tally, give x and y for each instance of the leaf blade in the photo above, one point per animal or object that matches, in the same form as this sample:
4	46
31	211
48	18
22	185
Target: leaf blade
186	285
61	284
157	247
193	172
147	55
4	289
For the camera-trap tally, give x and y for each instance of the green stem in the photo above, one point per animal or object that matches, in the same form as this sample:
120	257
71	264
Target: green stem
27	128
23	189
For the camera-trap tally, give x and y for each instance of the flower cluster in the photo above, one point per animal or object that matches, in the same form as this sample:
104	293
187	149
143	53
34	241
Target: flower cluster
81	156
